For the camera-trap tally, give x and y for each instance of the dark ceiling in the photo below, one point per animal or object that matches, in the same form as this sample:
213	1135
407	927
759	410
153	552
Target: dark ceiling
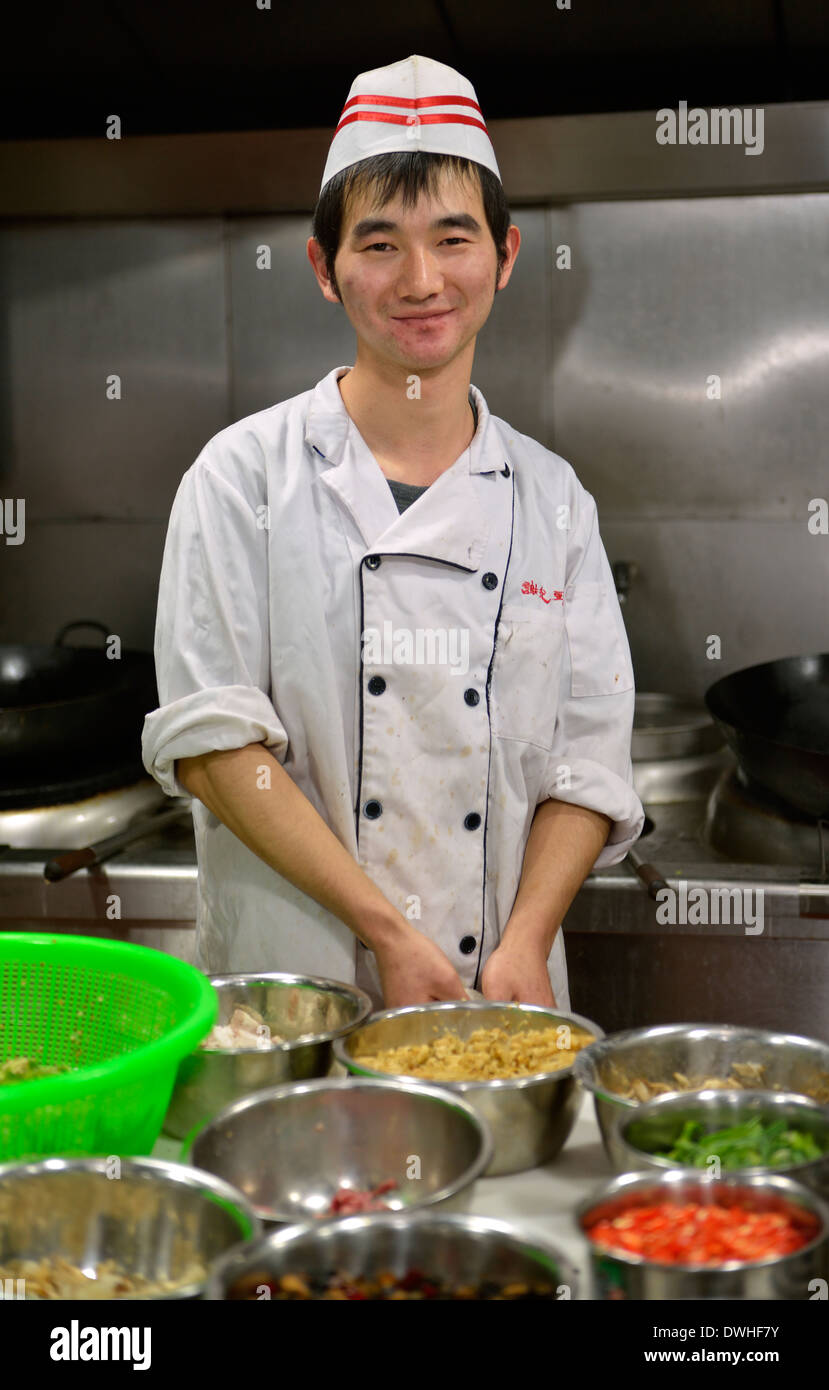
198	65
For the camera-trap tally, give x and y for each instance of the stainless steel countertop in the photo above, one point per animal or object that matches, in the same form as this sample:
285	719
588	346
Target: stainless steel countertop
677	849
156	882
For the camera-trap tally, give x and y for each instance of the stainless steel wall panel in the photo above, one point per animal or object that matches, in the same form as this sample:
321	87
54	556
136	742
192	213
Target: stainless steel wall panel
663	295
106	570
285	336
762	587
513	347
141	300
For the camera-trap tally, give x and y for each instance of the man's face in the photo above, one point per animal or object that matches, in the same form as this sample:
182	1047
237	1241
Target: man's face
417	283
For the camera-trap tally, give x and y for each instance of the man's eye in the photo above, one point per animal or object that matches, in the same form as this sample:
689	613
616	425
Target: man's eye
382	245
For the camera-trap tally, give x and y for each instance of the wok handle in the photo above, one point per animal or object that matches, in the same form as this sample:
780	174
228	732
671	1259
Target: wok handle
81	622
65	864
649	875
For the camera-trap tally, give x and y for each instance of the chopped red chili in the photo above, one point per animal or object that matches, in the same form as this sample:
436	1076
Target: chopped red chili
704	1234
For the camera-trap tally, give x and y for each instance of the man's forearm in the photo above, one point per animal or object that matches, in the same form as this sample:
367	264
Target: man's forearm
562	847
279	824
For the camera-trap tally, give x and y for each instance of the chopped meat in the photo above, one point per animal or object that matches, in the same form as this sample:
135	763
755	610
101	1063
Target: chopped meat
748	1075
246	1028
348	1201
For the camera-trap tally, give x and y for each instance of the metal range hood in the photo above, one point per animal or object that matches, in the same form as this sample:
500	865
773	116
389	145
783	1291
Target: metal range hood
543	160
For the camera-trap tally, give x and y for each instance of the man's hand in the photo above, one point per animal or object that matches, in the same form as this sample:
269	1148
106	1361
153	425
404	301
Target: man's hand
516	973
562	846
413	970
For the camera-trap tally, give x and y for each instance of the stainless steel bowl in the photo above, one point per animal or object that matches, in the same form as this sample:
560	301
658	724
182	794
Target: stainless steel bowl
657	1124
291	1148
154	1219
666	727
791	1064
309	1011
530	1117
463	1249
618	1275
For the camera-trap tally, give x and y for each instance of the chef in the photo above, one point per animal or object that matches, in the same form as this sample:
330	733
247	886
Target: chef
392	669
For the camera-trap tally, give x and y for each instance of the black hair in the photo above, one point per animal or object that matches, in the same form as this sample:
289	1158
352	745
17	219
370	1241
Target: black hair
408	173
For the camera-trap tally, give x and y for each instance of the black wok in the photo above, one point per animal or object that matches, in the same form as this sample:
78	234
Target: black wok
775	719
63	708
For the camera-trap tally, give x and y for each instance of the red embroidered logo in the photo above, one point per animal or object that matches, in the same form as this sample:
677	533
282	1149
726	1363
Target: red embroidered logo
530	587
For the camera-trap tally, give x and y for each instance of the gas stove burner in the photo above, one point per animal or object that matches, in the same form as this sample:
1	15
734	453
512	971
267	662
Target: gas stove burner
27	793
751	826
81	822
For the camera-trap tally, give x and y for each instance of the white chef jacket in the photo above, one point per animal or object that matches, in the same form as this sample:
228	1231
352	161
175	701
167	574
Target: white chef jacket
285	553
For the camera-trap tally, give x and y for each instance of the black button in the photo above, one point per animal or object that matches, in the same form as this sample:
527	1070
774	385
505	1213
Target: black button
471	696
472	821
376	685
468	944
505	471
373	562
489	581
372	809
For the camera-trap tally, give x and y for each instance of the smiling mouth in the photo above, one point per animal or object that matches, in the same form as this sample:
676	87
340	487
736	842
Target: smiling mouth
422	318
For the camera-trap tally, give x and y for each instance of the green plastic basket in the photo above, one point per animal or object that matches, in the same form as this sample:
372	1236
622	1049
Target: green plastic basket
123	1015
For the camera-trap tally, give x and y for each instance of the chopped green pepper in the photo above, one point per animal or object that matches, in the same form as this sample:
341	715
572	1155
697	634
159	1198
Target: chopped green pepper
754	1144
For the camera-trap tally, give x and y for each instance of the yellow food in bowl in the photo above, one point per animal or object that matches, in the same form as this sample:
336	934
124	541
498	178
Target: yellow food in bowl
488	1054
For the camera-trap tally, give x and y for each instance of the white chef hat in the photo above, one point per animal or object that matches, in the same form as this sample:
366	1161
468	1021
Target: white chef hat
416	104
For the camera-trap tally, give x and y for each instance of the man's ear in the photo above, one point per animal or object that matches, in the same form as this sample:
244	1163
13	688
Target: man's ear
326	282
513	240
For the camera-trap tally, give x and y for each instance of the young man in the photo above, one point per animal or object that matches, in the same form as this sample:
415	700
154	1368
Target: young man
392	666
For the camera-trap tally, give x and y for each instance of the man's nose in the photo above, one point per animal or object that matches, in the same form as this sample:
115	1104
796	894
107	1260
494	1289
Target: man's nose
420	274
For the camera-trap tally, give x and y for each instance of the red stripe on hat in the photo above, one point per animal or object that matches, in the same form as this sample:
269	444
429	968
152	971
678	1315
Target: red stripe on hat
405	120
375	100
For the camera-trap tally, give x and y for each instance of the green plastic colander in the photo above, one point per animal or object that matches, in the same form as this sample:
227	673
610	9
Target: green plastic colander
123	1015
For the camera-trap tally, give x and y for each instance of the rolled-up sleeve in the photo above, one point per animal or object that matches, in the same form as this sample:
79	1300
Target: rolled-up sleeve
211	637
590	762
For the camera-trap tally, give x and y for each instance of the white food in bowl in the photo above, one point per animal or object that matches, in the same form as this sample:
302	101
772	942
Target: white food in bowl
246	1028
